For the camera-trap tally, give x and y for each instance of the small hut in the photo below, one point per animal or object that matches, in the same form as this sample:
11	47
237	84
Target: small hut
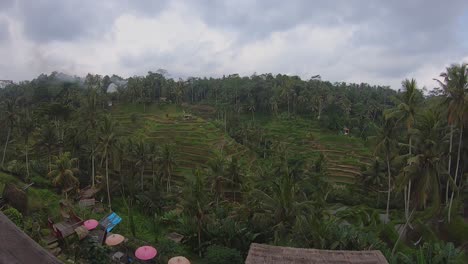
346	131
187	116
260	253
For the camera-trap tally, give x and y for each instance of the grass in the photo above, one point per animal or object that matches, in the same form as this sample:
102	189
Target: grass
40	200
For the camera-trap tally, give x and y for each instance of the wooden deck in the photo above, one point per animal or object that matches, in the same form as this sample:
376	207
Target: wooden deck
16	247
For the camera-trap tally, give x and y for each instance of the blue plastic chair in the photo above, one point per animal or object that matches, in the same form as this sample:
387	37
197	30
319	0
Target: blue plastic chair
110	221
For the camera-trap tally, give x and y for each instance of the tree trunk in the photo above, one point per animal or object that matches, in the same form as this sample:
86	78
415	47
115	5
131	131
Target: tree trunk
225	121
141	176
49	159
130	216
408	196
319	110
93	177
107	183
449	167
153	175
27	162
6	144
169	181
460	141
199	238
389	188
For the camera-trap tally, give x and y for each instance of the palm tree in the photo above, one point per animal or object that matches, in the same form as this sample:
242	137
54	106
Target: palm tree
286	90
273	102
386	145
375	174
107	147
179	91
167	162
48	140
154	154
195	200
424	167
27	127
91	148
63	172
90	113
252	109
282	203
235	175
455	87
406	112
217	172
140	151
10	120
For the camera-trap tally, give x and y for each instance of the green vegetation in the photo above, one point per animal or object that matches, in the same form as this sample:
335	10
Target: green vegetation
230	161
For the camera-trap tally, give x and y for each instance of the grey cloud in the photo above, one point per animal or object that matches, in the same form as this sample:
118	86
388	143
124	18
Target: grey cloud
4	30
49	20
5	4
401	35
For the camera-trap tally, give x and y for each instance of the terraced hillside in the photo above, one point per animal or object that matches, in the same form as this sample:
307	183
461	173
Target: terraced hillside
344	155
195	139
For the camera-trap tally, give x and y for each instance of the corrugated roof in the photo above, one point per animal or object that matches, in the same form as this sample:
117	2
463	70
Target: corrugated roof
18	248
263	254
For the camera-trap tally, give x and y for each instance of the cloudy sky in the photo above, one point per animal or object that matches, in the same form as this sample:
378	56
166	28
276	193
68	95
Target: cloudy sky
379	42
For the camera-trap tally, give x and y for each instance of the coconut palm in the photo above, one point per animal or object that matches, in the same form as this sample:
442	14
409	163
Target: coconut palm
195	200
286	91
90	113
375	174
47	141
235	175
281	203
217	172
455	87
140	152
107	147
63	172
167	162
10	120
386	145
27	127
154	154
424	168
406	112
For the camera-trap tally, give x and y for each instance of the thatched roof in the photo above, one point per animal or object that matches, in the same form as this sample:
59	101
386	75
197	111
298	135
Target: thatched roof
260	254
16	247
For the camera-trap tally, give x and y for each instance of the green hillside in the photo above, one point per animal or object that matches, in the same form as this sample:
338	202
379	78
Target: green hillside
195	139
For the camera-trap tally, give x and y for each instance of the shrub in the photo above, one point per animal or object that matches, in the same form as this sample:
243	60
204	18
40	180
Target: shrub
93	252
458	231
38	167
40	182
15	216
16	167
222	255
168	249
